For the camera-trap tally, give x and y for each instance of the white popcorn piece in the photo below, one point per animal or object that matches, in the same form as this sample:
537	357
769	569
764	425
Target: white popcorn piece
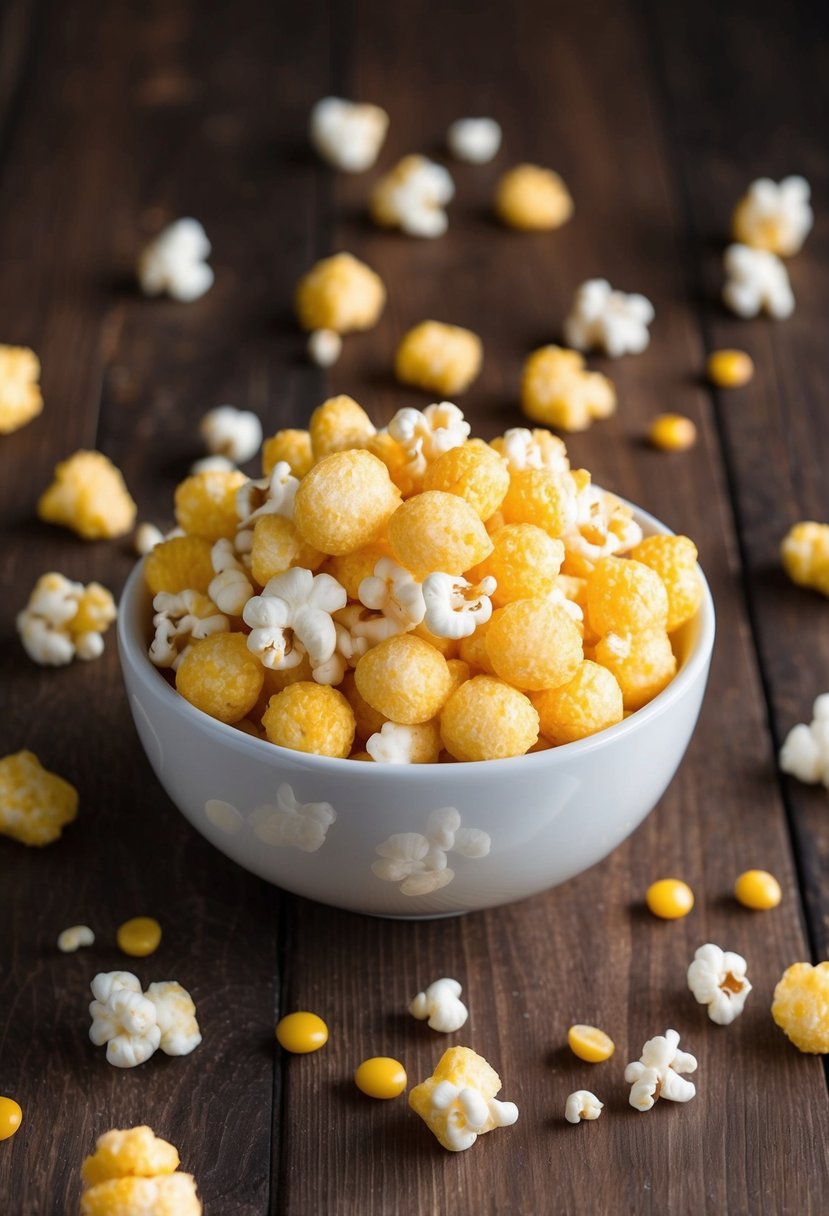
213	464
293	617
231	589
582	1105
805	750
235	434
454	606
348	134
775	215
175	1017
300	825
273	495
123	1018
351	644
476	140
522	450
469	1113
392	744
324	347
45	624
147	536
441	1004
74	938
419	862
396	593
718	979
658	1073
414	196
608	320
603	526
179	620
756	282
174	262
426	434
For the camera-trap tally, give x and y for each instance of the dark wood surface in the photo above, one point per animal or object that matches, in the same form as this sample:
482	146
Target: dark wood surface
116	118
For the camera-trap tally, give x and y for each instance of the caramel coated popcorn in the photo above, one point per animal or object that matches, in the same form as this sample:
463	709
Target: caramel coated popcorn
20	397
89	496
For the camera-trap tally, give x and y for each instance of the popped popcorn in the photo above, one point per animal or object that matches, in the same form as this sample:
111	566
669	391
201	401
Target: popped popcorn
718	979
394	592
530	198
805	554
73	938
64	620
147	537
20	396
612	321
658	1073
35	805
424	435
179	621
394	743
805	750
475	140
774	215
404	678
310	717
487	719
337	424
175	1016
536	449
756	281
441	1004
134	1173
442	358
123	1018
324	347
412	197
230	588
801	1006
557	389
339	293
458	1101
345	502
271	495
88	495
454	607
220	676
348	134
236	434
582	1105
292	617
603	527
175	262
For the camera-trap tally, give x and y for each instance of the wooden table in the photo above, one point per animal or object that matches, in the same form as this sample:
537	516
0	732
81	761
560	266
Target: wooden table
117	118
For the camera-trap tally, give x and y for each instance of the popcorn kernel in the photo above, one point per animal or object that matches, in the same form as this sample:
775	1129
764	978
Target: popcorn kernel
757	889
669	898
487	719
444	359
729	368
339	423
557	390
801	1006
11	1116
437	531
35	805
344	502
381	1077
525	561
474	471
529	198
301	1032
139	937
340	293
672	433
590	1044
20	397
533	644
674	558
291	445
589	702
309	717
205	504
404	678
221	677
181	563
89	496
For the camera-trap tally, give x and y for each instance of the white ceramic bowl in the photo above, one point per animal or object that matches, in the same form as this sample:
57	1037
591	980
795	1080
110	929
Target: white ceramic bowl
418	840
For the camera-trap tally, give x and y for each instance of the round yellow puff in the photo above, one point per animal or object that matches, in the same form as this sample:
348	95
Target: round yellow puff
381	1077
301	1032
757	889
139	936
340	293
309	717
459	672
339	423
625	596
221	677
541	498
437	531
88	495
291	445
590	1044
669	898
473	471
801	1006
11	1116
205	503
344	502
486	719
805	555
643	664
181	563
404	678
558	390
525	561
444	359
533	644
276	546
588	703
528	197
135	1152
674	558
672	433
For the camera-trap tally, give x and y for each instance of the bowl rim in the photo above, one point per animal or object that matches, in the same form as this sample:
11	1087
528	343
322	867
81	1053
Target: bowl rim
132	648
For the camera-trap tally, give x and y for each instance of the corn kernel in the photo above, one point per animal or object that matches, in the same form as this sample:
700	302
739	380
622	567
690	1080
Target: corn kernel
340	293
538	497
205	504
801	1006
221	677
291	445
301	1032
674	558
11	1116
533	644
672	433
309	717
344	502
181	563
805	554
276	546
757	889
444	359
525	561
381	1077
669	898
20	398
589	702
339	423
590	1044
404	678
89	496
474	471
528	197
486	719
729	368
642	663
557	389
139	936
35	805
625	597
437	531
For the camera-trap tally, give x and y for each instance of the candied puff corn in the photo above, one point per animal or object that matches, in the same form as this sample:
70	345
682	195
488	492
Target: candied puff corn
589	702
205	503
35	805
404	678
20	398
437	531
344	502
536	496
134	1173
473	471
528	197
220	676
442	358
557	390
340	293
801	1006
674	558
805	554
533	644
643	664
458	1101
524	562
308	717
487	719
181	563
291	445
625	596
337	424
89	496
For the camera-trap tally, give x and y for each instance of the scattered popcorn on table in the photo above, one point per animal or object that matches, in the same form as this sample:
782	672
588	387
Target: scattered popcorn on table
11	1116
475	140
235	434
718	979
672	433
805	750
338	424
381	1077
805	554
35	805
442	358
301	1032
757	889
458	1101
324	347
774	216
582	1105
176	1016
556	389
608	320
729	368
175	262
441	1004
134	1024
20	396
339	293
669	898
89	496
133	1172
147	536
756	281
530	198
590	1044
65	620
412	197
658	1073
348	134
801	1006
73	938
139	936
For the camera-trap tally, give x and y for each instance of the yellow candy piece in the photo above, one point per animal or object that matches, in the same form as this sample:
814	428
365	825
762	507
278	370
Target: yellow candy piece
805	554
20	397
801	1006
536	496
345	502
291	445
460	1068
672	433
139	937
221	677
436	531
757	889
642	663
590	1044
135	1152
625	596
205	503
729	368
181	563
674	558
35	805
525	561
528	197
404	678
486	719
89	496
442	358
557	389
474	471
340	293
276	546
309	717
669	898
11	1116
533	644
301	1032
339	423
588	703
381	1077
